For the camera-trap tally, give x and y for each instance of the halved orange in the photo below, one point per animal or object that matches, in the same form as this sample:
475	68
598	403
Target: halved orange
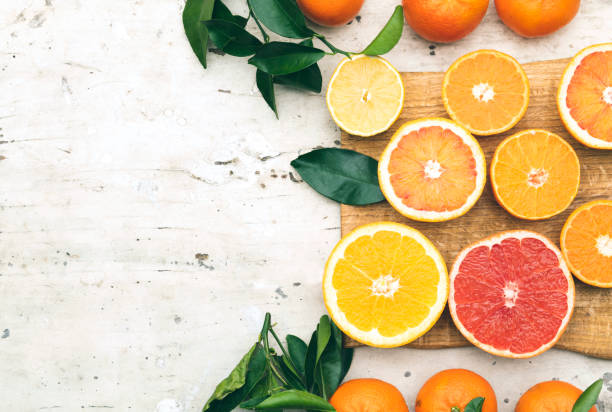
586	242
535	174
511	294
584	98
486	91
365	95
432	170
385	284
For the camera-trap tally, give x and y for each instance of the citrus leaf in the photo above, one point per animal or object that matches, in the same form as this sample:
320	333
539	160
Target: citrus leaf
388	36
194	12
297	349
310	362
282	17
342	175
307	79
231	391
475	405
266	87
323	335
222	12
330	368
231	38
589	397
278	58
290	399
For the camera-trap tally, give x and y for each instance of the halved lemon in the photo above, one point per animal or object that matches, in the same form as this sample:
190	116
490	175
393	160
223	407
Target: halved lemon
432	170
365	95
584	98
385	284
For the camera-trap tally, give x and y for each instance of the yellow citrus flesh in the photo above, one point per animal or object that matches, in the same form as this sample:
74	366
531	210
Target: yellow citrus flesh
385	284
365	95
432	170
486	91
586	243
535	174
584	98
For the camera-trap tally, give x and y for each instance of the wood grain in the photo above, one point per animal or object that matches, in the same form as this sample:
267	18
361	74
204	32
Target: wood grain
591	326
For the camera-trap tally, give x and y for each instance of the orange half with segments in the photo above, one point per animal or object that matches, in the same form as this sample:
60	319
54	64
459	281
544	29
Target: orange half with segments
432	170
584	98
385	284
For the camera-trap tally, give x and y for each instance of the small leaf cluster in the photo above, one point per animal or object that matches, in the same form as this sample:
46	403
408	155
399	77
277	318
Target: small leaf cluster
301	376
277	62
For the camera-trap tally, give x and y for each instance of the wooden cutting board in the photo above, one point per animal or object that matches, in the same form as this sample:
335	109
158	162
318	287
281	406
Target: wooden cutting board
590	329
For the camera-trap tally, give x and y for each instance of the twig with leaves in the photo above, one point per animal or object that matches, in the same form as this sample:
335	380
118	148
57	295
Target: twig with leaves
277	62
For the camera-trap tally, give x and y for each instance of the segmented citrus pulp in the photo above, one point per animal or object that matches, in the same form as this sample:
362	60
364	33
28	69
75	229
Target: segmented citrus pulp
365	95
511	294
586	242
535	174
385	284
486	91
432	170
584	98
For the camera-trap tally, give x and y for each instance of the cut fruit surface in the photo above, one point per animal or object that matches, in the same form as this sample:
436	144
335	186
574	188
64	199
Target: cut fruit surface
586	242
535	174
365	95
584	98
486	91
385	284
432	170
511	294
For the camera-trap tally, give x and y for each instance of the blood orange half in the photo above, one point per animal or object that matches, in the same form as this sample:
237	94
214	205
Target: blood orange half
511	294
584	98
432	170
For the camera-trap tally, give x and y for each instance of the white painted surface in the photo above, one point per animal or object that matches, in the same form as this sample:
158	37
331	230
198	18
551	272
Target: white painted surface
121	160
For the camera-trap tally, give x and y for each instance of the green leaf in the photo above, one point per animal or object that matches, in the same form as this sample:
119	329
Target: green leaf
234	389
342	175
231	38
282	17
221	12
310	361
589	397
194	12
294	381
265	84
297	349
475	405
278	58
307	79
388	36
330	368
323	335
290	399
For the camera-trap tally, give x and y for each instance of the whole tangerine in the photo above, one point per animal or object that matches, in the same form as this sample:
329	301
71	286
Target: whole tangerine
531	18
371	395
444	21
330	13
555	396
455	388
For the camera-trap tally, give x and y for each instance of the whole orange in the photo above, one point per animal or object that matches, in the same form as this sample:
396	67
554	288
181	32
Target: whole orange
550	396
330	13
535	18
455	388
368	395
444	20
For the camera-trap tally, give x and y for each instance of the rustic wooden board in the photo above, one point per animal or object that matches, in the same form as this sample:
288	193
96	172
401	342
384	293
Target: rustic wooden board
590	330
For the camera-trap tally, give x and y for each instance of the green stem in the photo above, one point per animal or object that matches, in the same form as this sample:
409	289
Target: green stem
261	29
455	409
277	373
333	48
291	365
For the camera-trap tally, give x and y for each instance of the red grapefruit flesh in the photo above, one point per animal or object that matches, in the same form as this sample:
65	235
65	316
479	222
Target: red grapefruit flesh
511	294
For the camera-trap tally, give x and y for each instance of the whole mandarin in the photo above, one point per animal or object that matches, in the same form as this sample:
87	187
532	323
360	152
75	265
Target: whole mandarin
531	18
554	396
368	395
455	388
330	13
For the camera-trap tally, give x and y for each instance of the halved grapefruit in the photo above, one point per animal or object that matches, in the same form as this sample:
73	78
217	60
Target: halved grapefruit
584	98
432	170
511	294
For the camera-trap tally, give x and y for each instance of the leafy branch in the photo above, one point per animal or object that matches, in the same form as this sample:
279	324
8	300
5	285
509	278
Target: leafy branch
277	62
